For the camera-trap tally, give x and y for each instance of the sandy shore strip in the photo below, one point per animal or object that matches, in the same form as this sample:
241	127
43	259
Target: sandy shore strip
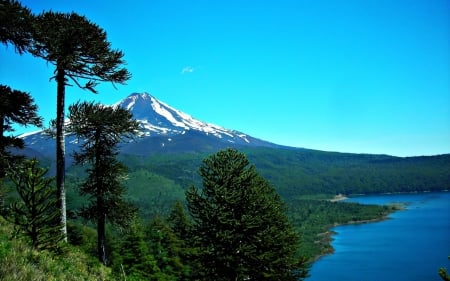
338	197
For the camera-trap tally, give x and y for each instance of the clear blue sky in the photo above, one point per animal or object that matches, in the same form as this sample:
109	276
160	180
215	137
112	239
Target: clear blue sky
367	76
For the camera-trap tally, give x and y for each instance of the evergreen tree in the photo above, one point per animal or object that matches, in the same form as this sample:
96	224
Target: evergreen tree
135	260
79	51
102	129
16	107
37	212
179	221
240	224
180	225
167	248
15	25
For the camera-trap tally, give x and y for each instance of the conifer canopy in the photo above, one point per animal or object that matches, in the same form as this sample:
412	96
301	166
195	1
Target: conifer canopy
240	225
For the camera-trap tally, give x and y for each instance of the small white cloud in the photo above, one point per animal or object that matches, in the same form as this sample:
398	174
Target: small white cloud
187	69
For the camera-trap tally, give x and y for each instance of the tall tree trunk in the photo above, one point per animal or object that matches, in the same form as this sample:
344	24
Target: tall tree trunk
60	149
101	221
101	237
2	150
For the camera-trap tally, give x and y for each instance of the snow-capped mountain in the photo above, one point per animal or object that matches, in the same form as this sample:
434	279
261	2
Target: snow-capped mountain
164	129
158	118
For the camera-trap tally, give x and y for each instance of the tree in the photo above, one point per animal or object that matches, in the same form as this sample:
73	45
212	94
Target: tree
37	212
443	273
79	51
101	129
179	221
16	107
15	25
135	260
167	249
180	225
240	224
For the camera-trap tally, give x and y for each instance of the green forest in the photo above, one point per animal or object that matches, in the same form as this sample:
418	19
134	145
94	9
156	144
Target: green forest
235	214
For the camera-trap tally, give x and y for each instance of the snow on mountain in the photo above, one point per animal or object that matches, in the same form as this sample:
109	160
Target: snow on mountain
159	118
163	128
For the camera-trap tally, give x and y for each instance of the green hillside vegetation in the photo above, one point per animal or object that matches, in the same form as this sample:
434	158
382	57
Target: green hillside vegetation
304	179
314	218
296	173
162	248
262	212
20	262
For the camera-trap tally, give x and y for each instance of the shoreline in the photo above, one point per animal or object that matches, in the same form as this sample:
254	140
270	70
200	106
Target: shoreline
337	198
394	193
328	235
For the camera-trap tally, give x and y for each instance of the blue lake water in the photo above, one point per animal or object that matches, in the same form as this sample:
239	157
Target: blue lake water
410	245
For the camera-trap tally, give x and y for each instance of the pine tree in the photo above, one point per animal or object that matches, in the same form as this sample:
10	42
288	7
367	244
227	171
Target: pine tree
102	129
16	107
180	225
135	260
179	221
167	248
240	224
79	51
37	212
15	25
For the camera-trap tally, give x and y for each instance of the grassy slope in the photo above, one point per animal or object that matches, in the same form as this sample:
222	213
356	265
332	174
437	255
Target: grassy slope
18	261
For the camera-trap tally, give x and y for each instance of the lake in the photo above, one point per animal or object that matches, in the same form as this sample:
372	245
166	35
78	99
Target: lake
410	245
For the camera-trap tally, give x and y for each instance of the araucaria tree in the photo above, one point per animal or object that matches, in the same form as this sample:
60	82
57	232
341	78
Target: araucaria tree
15	25
80	52
36	214
16	107
240	225
100	130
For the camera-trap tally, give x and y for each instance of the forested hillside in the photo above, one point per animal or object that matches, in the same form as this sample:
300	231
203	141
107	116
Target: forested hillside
303	178
142	191
299	172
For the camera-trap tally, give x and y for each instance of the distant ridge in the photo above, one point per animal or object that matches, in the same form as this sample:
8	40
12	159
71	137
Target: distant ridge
164	129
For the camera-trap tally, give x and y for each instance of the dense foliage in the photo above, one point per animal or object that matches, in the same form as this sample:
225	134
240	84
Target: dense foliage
313	218
240	225
21	262
79	50
299	172
36	214
16	107
237	227
102	128
15	25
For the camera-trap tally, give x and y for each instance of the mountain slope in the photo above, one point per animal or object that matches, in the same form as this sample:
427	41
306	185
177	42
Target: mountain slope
163	129
173	144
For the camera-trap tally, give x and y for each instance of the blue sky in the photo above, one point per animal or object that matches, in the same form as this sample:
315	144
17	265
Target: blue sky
357	76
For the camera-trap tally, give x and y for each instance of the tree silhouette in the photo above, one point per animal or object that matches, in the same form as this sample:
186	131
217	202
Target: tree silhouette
240	224
16	107
80	52
101	129
36	214
15	25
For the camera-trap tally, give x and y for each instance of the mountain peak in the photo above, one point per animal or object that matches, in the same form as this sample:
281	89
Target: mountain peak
157	117
163	128
133	99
